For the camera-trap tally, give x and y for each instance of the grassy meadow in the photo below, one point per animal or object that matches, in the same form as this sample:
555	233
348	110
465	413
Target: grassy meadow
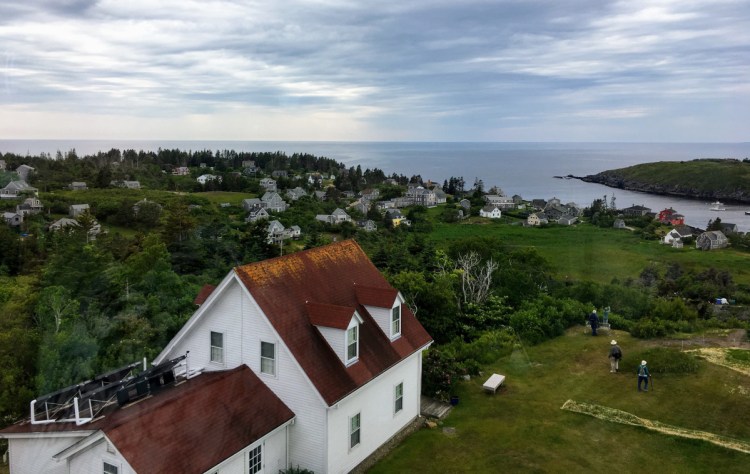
523	428
586	252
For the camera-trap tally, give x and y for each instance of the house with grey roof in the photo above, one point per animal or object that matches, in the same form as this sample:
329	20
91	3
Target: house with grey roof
274	202
257	213
296	193
268	184
679	232
16	188
336	217
248	204
711	240
491	211
636	211
367	225
30	206
13	219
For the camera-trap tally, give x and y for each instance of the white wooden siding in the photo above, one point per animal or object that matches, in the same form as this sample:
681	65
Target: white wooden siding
91	461
238	316
336	338
223	316
378	423
273	457
382	316
33	455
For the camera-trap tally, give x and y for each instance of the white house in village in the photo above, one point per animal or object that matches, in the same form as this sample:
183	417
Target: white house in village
311	360
491	211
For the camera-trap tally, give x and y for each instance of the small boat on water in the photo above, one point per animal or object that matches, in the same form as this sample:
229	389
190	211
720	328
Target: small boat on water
747	213
717	206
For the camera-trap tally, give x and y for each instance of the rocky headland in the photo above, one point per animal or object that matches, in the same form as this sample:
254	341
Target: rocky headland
726	180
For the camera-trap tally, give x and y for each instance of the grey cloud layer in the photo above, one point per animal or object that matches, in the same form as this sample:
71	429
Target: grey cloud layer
472	69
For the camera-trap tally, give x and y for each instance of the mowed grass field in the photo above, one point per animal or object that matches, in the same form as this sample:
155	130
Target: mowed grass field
586	252
523	428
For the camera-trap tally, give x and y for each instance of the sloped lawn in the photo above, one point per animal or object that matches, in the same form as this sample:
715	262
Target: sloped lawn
523	429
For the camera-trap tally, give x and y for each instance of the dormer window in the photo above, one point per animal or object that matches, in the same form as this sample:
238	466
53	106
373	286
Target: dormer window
339	325
352	344
396	321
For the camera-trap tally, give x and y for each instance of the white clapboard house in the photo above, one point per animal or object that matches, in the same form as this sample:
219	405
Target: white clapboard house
309	360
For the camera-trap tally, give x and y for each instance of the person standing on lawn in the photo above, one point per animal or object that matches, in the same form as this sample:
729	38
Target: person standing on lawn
643	376
594	321
615	354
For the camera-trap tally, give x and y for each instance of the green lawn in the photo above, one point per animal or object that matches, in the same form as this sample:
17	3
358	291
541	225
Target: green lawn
587	252
523	429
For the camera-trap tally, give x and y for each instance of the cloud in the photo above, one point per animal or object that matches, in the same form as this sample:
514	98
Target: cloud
420	69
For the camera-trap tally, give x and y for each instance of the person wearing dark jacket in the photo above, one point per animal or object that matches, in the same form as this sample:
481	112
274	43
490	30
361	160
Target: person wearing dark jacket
615	354
643	376
594	321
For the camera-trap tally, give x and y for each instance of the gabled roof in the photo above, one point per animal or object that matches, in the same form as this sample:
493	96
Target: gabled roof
330	315
330	275
190	427
200	426
373	296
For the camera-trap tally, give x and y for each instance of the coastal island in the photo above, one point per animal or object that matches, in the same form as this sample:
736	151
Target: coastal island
714	179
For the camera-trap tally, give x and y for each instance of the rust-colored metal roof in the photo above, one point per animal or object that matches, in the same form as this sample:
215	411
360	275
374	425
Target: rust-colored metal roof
190	427
330	315
204	294
193	431
329	275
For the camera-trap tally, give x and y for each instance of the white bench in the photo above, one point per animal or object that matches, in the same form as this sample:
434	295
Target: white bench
494	382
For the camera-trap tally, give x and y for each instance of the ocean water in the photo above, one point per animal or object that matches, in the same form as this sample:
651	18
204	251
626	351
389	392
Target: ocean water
526	169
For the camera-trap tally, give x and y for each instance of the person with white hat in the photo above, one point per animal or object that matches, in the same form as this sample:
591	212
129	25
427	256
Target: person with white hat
615	354
593	321
643	376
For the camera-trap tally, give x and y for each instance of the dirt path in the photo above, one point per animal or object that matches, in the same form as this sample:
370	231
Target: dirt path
736	338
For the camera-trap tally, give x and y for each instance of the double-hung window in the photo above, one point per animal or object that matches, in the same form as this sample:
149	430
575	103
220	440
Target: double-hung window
354	431
352	344
109	468
217	347
267	358
396	321
398	398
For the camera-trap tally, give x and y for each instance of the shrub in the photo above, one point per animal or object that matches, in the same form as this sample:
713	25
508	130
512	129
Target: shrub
439	374
618	322
665	360
649	328
486	349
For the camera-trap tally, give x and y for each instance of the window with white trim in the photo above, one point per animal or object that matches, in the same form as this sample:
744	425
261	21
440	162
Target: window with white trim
352	344
396	321
267	358
217	347
108	468
255	460
398	398
354	431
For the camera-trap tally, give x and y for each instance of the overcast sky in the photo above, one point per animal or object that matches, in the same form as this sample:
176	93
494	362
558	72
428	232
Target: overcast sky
414	70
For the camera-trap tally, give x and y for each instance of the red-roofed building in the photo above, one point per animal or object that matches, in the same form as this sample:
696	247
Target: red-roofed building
311	360
670	216
199	424
327	333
